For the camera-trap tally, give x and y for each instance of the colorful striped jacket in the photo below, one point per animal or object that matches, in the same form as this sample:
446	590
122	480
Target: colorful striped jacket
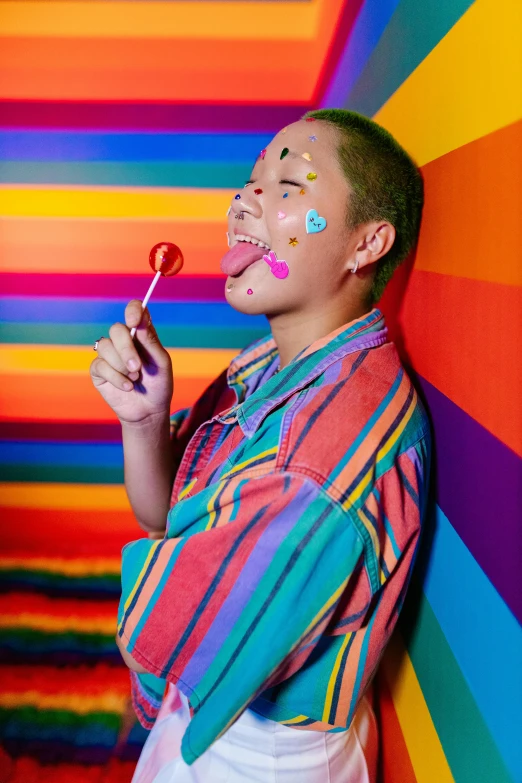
295	519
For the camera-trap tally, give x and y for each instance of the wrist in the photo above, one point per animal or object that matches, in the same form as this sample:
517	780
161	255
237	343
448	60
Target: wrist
149	424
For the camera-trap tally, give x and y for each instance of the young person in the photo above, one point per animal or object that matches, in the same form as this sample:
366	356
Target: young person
292	492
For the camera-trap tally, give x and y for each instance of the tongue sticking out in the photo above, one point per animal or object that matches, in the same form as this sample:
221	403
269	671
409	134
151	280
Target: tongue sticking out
240	256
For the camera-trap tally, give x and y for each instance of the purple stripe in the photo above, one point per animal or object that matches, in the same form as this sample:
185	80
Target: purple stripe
148	116
251	574
85	432
479	488
189	288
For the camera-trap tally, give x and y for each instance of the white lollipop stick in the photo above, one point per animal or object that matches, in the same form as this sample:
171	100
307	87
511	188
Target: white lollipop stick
147	297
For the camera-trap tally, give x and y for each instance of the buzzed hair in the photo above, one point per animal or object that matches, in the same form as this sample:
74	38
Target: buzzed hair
385	182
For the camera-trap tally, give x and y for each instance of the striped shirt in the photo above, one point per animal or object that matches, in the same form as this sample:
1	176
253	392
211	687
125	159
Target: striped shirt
294	524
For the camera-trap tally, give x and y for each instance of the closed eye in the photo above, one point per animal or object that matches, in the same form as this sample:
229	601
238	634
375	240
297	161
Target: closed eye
289	182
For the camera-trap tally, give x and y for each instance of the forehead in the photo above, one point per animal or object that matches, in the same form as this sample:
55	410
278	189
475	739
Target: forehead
316	140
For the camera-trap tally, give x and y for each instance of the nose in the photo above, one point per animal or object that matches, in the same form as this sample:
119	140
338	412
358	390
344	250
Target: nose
248	202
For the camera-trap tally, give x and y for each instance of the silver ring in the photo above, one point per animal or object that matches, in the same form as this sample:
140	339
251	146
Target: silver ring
96	343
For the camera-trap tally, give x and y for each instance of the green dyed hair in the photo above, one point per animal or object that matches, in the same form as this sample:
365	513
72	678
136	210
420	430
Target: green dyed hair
386	185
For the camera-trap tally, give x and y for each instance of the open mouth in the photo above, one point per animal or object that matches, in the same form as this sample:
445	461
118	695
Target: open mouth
252	240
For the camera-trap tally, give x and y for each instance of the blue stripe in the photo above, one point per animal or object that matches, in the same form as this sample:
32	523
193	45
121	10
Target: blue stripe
60	310
52	145
45	453
483	634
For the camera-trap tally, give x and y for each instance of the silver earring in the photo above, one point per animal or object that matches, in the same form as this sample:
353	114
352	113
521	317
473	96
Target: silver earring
355	266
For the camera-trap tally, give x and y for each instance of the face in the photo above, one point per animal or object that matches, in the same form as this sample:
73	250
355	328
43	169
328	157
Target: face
295	203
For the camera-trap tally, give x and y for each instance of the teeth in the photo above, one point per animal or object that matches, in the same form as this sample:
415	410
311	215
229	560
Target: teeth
252	240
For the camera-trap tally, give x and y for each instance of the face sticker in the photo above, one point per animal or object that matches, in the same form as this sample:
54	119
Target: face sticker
278	268
228	211
293	241
312	138
284	130
258	191
284	153
281	215
314	223
306	156
302	192
285	195
310	119
250	292
237	196
311	176
262	154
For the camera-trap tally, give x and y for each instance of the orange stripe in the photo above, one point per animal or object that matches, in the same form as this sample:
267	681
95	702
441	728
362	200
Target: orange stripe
473	202
73	398
106	246
174	70
32	603
396	766
58	532
465	337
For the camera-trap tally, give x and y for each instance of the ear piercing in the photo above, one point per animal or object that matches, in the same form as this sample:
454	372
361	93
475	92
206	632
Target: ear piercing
355	266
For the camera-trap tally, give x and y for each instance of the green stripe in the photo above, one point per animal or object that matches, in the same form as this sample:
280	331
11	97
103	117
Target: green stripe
468	746
86	334
67	474
414	30
33	718
135	174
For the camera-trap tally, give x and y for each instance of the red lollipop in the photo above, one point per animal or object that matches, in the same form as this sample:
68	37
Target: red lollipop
165	259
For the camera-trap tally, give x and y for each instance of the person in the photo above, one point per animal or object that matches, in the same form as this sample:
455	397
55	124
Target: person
284	508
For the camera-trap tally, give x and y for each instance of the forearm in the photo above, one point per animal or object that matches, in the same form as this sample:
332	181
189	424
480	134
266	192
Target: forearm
149	471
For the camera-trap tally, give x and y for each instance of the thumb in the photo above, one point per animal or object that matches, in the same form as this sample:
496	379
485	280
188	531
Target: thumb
146	334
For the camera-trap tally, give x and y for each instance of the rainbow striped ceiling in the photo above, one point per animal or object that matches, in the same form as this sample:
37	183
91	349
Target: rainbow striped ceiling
126	123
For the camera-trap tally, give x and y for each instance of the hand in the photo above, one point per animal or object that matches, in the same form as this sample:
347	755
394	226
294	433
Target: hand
134	376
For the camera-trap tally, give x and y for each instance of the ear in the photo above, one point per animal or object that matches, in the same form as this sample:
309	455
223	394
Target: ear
374	241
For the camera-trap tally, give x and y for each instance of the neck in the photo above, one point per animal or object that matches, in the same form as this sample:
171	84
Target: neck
292	333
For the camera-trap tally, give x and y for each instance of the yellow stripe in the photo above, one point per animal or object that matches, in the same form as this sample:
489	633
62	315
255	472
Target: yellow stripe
140	577
249	461
187	489
211	506
71	702
34	201
467	87
204	20
97	566
359	489
51	624
333	677
75	360
298	719
84	497
422	741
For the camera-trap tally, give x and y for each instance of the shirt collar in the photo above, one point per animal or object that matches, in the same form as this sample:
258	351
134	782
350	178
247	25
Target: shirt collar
259	389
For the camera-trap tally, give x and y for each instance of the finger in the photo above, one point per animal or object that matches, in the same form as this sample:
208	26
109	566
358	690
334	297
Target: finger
102	372
123	345
133	313
106	350
147	336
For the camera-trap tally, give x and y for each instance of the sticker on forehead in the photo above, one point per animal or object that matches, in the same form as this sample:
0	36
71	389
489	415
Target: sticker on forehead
312	138
284	153
278	268
306	156
262	154
314	223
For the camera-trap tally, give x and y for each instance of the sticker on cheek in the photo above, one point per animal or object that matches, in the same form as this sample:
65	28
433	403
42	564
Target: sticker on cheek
293	241
311	176
314	223
250	292
285	195
281	215
258	191
278	268
302	192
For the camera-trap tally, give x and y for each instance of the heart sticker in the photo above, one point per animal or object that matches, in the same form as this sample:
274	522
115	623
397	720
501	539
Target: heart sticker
314	223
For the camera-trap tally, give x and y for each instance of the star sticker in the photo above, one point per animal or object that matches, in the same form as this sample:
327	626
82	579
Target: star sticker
293	241
312	138
302	192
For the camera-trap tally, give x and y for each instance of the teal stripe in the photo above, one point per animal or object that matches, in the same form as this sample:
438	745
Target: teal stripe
413	31
67	474
86	334
134	174
467	744
483	634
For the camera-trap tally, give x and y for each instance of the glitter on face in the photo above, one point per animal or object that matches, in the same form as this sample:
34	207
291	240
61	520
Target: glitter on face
284	153
237	196
250	292
281	215
258	191
293	241
306	156
310	119
284	130
302	192
285	195
262	154
312	138
311	176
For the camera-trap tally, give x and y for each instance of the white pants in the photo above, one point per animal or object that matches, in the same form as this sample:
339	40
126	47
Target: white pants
257	750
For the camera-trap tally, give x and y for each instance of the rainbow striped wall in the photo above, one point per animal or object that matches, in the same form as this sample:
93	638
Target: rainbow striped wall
123	123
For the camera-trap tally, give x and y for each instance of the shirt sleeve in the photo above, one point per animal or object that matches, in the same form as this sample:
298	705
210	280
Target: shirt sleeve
228	611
